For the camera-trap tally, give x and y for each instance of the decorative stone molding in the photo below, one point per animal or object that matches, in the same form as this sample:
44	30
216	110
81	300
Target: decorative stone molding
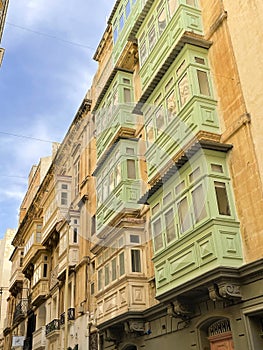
179	310
224	291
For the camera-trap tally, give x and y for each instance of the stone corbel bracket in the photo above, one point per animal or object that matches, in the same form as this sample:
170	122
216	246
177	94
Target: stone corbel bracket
224	291
179	309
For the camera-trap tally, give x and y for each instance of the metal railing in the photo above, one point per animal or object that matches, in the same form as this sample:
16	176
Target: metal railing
71	315
20	310
52	326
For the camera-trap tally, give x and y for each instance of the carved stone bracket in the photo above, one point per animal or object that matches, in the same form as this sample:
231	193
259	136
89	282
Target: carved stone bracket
179	309
224	291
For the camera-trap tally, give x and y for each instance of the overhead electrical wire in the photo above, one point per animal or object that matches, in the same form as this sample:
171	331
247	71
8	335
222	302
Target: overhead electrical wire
49	36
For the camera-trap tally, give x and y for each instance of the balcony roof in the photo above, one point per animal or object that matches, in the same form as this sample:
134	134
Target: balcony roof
181	159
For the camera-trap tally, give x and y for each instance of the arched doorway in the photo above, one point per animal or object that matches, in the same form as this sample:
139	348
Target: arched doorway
216	335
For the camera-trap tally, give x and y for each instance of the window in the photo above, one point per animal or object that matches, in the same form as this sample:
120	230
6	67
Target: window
222	199
121	22
160	122
184	215
44	270
203	83
115	34
118	174
143	52
150	132
111	181
217	168
167	198
169	225
157	234
75	235
64	186
172	5
93	225
128	9
199	60
131	171
195	174
129	150
190	2
76	178
64	198
113	270
162	21
184	89
134	239
100	279
121	264
199	203
127	95
152	37
92	288
107	274
136	260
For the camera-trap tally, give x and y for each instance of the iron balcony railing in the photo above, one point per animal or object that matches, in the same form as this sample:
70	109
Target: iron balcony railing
20	310
52	326
71	316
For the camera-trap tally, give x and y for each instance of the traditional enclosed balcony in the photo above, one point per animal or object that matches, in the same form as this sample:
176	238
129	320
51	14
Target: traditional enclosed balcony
180	110
17	277
39	338
40	277
53	328
122	274
194	226
123	18
33	243
68	244
118	184
163	33
113	115
56	205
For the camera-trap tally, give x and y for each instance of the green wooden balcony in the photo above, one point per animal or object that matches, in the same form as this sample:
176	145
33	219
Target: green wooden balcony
120	121
122	200
199	115
213	245
185	19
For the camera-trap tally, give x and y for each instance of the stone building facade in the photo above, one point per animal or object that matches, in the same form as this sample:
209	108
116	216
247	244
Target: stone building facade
146	231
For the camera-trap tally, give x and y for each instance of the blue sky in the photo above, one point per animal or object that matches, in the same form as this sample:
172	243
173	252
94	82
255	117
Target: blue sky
42	83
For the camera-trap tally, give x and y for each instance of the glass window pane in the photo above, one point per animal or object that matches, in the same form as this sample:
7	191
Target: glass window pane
100	279
118	174
199	203
162	21
157	234
107	275
170	226
143	52
160	121
121	264
127	95
222	199
172	4
131	171
128	9
150	132
171	105
152	37
121	22
136	260
203	83
184	215
115	35
184	89
113	270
